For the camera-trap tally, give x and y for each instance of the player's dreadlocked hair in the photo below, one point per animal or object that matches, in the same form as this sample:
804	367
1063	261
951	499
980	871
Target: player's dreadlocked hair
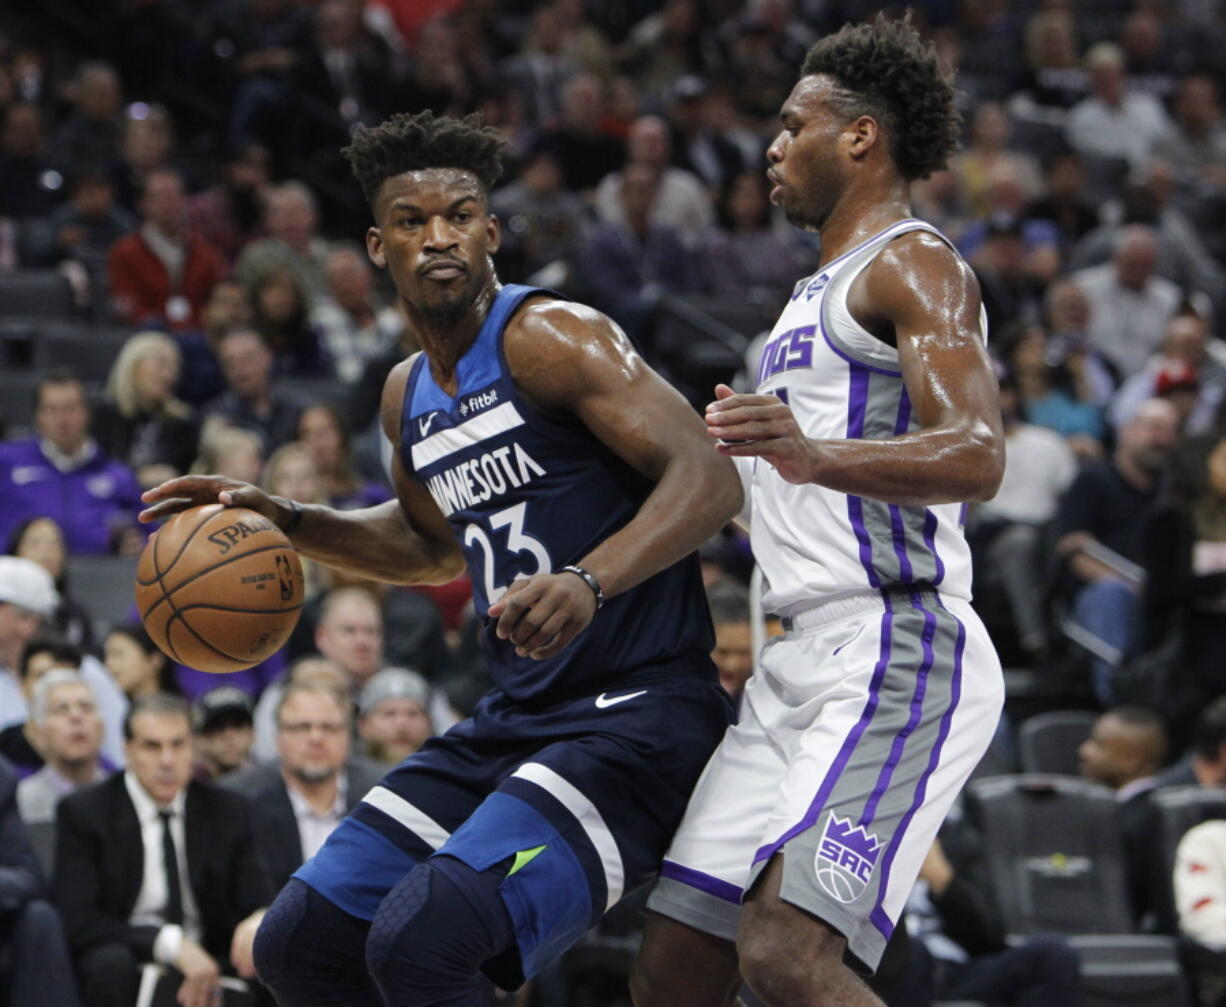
886	70
413	142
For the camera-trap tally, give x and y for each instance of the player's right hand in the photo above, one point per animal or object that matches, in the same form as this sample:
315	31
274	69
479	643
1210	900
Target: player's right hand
186	492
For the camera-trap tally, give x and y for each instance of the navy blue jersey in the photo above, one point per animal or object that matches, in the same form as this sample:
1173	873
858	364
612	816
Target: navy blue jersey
529	493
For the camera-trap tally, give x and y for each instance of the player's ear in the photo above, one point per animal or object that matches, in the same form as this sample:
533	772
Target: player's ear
493	232
374	247
862	135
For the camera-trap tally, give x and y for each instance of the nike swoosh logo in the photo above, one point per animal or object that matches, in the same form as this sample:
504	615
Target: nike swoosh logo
603	702
424	425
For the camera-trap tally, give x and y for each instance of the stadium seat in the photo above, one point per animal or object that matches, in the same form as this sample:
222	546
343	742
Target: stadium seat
1048	742
104	585
41	293
16	402
87	352
1176	810
1056	863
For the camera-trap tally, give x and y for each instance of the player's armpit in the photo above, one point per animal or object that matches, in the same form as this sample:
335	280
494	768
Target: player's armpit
569	358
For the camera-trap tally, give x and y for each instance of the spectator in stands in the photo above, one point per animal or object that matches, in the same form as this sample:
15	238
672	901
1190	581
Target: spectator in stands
29	189
1062	201
681	202
442	76
152	866
696	146
136	664
1055	79
585	152
222	720
958	949
253	400
1184	556
1010	292
1007	533
1052	393
201	379
394	715
1200	884
1184	356
139	421
1126	748
1197	147
987	149
230	451
162	274
91	134
664	46
27	597
19	743
1066	310
81	230
62	473
322	430
230	214
291	473
1204	764
543	224
1103	513
746	258
355	325
41	539
733	654
291	217
300	798
148	141
1116	121
541	67
279	314
36	965
630	264
69	732
1129	304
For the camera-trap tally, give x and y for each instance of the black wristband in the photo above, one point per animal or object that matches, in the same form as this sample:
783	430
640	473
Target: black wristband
589	580
295	519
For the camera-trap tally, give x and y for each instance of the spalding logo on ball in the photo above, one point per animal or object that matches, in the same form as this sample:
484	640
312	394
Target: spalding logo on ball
219	588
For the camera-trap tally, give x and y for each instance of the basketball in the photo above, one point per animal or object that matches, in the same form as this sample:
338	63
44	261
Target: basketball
219	588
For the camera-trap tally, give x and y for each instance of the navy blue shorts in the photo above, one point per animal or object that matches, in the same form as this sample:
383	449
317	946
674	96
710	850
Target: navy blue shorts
580	797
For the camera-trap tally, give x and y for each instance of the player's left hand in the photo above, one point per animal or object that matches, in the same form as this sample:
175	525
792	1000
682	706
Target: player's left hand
542	614
761	426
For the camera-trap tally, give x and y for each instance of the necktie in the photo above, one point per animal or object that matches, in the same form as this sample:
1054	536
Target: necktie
170	861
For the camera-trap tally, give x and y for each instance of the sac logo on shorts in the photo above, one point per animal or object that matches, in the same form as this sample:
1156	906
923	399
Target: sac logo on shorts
845	860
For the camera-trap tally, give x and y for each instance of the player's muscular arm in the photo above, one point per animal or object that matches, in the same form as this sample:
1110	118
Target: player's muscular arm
403	541
569	358
928	298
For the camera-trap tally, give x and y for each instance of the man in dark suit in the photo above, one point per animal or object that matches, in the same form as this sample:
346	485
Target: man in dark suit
153	867
297	800
36	969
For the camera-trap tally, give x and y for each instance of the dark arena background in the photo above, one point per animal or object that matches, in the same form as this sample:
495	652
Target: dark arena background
184	287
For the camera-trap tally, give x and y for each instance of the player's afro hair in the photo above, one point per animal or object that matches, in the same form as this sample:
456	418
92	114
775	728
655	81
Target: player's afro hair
886	70
412	142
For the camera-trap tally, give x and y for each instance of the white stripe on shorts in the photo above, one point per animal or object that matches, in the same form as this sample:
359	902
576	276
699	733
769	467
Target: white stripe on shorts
588	817
412	818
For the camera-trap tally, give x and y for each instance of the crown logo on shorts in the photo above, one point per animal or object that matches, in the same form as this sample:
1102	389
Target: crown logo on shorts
846	857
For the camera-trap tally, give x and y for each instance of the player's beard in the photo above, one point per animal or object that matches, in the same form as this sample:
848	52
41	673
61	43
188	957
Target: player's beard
445	314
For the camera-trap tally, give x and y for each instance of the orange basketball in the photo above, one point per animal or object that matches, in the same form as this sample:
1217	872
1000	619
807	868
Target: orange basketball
219	588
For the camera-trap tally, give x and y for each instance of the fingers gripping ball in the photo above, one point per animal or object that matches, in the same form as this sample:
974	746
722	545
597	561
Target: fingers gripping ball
219	588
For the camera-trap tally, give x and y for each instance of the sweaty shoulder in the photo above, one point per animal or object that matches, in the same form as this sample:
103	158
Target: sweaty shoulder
917	279
392	404
554	347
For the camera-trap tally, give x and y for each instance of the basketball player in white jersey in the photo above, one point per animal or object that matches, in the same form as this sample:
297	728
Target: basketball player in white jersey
875	421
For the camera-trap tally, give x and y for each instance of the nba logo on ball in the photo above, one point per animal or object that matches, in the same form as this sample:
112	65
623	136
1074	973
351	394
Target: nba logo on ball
845	859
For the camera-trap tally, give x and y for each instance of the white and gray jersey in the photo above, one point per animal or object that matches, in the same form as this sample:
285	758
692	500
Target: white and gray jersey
814	543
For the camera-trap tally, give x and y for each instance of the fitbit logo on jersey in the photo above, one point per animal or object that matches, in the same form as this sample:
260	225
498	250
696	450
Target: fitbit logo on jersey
480	479
846	857
481	400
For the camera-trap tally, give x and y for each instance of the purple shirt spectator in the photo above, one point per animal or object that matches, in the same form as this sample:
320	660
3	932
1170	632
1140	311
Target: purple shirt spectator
252	680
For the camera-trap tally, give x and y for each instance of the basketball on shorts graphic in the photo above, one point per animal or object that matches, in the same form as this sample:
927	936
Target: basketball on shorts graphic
219	588
845	860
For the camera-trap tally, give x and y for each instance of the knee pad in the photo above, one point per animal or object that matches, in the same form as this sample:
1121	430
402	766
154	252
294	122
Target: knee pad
274	938
439	924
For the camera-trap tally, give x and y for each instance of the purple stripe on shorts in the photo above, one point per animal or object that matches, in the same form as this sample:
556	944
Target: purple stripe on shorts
897	532
913	717
703	882
930	540
849	744
880	919
857	403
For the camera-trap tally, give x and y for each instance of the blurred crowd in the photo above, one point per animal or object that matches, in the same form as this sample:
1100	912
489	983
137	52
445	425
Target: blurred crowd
171	183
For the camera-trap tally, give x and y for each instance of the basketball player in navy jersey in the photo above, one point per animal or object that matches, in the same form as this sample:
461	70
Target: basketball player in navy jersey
874	421
535	447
